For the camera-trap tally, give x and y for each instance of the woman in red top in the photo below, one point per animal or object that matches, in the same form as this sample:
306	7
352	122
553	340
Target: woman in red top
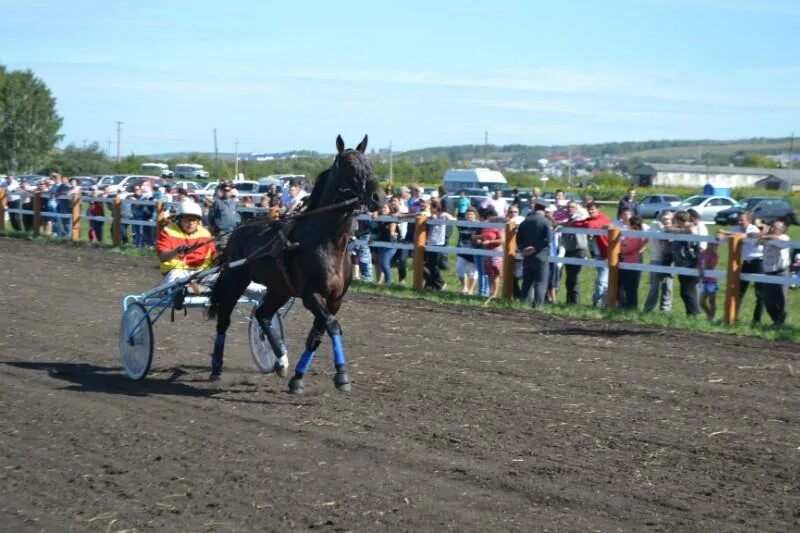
491	239
96	209
631	251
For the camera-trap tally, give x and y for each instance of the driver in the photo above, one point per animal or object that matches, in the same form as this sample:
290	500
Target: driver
185	246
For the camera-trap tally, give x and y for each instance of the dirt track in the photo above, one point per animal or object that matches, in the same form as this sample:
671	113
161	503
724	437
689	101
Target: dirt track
459	419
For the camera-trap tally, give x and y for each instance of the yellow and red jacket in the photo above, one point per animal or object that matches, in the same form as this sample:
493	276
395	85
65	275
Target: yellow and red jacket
200	258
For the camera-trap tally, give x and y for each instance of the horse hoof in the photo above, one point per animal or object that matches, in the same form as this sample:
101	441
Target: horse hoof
282	366
215	376
342	381
296	386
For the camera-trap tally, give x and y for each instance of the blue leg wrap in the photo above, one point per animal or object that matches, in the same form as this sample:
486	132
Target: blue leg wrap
219	344
284	350
338	352
304	362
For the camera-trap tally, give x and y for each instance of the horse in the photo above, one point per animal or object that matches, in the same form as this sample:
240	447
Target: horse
311	262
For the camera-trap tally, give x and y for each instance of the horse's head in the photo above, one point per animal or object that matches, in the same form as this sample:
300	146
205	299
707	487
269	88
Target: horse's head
355	177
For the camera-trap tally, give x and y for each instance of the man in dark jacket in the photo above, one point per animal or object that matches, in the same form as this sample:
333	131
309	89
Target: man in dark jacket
222	216
533	240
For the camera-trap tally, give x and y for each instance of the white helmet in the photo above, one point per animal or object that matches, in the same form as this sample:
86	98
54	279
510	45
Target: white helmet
189	208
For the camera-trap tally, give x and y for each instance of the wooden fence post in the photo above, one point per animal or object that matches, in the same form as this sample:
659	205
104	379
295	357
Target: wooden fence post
161	218
733	281
3	206
614	246
116	222
76	217
420	236
37	212
509	259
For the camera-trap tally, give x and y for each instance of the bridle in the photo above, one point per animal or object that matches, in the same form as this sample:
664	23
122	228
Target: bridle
357	189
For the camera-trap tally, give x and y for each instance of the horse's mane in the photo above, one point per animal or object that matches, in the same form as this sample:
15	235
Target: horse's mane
319	187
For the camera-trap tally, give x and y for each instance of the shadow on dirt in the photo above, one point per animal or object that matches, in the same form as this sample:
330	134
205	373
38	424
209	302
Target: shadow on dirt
593	332
108	380
91	378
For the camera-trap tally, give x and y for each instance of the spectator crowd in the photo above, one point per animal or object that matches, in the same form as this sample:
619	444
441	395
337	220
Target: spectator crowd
541	240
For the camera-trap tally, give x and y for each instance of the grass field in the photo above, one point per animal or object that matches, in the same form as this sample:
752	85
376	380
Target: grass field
678	152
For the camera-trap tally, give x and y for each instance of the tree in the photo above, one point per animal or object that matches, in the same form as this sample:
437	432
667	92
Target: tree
757	160
29	123
80	161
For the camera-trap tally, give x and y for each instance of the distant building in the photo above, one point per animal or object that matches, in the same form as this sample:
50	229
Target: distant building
673	175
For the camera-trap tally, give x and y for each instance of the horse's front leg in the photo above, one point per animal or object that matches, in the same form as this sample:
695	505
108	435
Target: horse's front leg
324	321
296	385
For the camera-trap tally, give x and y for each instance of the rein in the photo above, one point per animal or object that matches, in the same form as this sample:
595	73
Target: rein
268	247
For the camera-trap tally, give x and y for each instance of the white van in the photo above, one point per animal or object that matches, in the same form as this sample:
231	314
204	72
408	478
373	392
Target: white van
473	178
189	171
156	169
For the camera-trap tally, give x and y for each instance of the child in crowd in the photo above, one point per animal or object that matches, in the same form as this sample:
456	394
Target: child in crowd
708	260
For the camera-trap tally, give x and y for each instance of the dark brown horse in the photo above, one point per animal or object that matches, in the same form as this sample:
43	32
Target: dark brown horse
315	266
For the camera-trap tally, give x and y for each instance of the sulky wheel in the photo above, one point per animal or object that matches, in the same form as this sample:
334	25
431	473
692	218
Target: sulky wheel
136	341
260	348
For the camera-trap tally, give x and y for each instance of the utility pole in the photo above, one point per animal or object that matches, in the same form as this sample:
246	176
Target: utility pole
108	147
236	160
216	155
791	151
391	175
569	166
119	136
485	146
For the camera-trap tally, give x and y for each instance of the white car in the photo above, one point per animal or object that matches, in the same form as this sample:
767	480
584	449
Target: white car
118	182
707	206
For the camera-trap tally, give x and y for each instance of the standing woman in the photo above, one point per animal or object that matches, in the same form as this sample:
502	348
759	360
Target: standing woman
491	239
632	248
437	236
386	232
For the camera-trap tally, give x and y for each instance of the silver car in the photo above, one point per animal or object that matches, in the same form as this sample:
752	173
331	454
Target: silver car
707	206
651	205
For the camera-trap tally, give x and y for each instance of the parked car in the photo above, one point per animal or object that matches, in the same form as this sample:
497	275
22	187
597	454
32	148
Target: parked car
550	196
119	182
768	209
731	216
85	183
246	187
170	184
32	180
707	206
653	204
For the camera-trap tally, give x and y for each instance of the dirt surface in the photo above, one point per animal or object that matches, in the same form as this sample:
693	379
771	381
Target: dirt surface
460	419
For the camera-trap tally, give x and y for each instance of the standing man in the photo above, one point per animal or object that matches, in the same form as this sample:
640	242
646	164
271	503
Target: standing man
536	193
776	263
533	240
223	217
752	261
660	255
685	254
575	245
462	204
13	199
630	202
597	220
499	203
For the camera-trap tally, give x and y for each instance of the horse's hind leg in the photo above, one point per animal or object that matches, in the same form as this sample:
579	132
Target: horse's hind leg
264	312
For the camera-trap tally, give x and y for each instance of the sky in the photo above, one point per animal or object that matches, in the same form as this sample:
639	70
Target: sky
291	75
